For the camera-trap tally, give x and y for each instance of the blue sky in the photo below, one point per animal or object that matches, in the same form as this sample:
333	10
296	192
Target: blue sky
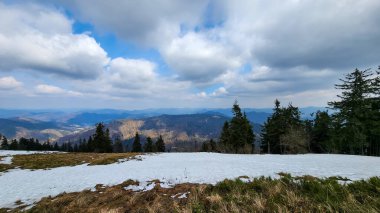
168	53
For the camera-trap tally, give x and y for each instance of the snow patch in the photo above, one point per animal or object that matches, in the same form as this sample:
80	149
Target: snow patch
12	152
180	195
6	159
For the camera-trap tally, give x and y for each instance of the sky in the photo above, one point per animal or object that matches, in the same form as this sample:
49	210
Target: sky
128	54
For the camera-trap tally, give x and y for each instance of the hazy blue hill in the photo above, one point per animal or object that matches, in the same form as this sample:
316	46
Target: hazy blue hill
90	119
9	127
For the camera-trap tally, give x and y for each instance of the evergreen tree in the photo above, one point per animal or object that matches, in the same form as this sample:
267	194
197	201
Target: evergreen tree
107	145
118	146
205	147
237	135
225	135
148	145
90	144
281	122
4	143
136	146
321	133
237	129
14	145
160	144
56	147
213	146
69	147
354	110
99	138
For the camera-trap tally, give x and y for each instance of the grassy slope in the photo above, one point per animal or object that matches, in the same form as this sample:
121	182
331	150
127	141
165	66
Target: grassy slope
47	161
287	194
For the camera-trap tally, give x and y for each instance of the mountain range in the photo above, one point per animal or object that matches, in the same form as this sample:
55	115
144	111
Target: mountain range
175	125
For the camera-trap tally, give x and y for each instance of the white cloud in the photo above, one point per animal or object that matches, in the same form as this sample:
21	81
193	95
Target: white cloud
34	37
131	73
9	82
220	91
198	58
54	90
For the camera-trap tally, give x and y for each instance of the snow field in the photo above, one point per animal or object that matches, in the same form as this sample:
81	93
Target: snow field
174	168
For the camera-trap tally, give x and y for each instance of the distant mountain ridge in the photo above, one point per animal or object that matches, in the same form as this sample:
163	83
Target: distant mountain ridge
173	128
93	116
31	128
64	124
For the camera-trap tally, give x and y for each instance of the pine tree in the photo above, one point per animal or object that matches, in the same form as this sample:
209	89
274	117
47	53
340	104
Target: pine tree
249	134
99	138
284	120
4	143
136	146
224	138
321	133
90	144
354	109
237	135
56	147
205	147
213	146
14	145
148	145
160	144
107	142
237	129
118	146
102	141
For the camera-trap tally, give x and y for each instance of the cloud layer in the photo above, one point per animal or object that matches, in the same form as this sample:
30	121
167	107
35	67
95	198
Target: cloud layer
209	52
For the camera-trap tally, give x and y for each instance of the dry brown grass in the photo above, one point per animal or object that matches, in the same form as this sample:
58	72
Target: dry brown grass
53	160
116	199
287	194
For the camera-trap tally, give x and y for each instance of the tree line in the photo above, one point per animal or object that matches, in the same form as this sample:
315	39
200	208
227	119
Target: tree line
353	127
100	142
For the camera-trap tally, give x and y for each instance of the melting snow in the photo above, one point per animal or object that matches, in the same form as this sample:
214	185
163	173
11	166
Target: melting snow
173	168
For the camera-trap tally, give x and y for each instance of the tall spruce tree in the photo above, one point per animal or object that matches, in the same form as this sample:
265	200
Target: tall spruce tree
99	138
224	138
118	146
90	144
354	110
136	146
284	120
237	135
4	143
107	144
321	133
148	145
160	144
